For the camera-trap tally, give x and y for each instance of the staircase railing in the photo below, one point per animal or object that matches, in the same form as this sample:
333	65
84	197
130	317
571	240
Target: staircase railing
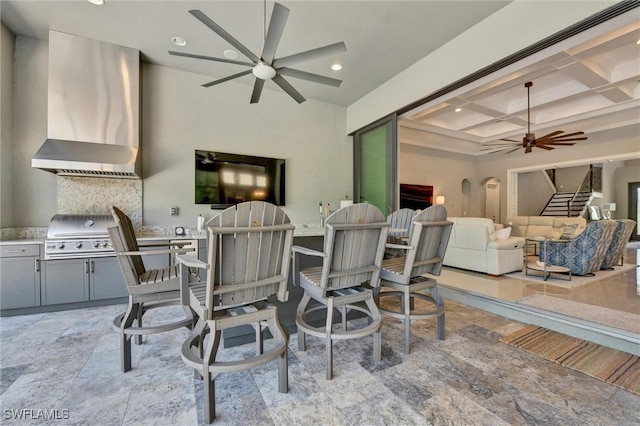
585	186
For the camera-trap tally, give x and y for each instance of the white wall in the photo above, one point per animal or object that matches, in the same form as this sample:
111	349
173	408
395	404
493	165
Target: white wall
6	126
179	116
35	190
444	171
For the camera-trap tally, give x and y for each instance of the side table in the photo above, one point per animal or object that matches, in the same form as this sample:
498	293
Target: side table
544	267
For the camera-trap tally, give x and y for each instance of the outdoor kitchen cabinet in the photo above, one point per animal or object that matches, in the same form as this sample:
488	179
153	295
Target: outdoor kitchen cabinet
19	276
81	280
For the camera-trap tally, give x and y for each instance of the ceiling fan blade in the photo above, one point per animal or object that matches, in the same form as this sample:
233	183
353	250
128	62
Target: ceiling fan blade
569	139
512	150
231	77
210	58
284	85
550	135
310	55
257	90
496	146
276	26
568	135
547	147
316	78
225	35
510	140
562	143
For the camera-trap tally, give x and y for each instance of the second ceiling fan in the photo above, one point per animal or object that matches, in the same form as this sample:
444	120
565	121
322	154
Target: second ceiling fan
529	141
264	66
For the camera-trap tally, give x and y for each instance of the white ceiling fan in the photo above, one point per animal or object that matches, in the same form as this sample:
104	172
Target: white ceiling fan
265	66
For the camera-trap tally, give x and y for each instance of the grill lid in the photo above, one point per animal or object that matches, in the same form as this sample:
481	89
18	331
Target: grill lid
79	226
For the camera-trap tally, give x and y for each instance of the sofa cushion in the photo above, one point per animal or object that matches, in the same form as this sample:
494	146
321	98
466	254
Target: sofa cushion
470	237
503	234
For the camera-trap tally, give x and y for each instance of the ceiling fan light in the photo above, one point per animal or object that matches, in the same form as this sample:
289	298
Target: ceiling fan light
264	72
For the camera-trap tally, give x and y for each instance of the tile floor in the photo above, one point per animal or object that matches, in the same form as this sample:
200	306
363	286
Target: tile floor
68	363
620	292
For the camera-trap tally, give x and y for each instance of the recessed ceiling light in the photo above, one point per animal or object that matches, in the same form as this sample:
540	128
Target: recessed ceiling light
178	41
458	109
96	2
230	54
336	67
638	42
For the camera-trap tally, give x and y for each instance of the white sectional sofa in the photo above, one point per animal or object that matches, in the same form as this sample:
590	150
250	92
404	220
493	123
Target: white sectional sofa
475	245
544	226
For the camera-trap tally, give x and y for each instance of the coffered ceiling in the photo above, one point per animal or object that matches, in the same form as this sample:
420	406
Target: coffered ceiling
590	86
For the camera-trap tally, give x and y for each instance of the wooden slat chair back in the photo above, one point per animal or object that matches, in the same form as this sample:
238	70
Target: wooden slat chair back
249	252
148	289
123	239
354	243
405	275
400	219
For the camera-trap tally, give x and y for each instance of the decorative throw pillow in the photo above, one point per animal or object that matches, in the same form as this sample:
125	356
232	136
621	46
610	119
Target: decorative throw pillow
503	234
568	231
555	233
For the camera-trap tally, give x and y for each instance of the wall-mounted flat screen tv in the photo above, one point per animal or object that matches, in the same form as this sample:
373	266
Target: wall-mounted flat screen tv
415	196
224	179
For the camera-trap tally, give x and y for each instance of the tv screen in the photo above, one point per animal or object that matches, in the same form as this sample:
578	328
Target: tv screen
415	196
224	179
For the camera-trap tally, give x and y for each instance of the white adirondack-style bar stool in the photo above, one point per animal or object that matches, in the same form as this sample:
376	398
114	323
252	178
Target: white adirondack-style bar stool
405	276
148	289
354	244
249	250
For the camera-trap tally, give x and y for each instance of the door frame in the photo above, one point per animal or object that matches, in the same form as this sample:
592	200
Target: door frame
632	201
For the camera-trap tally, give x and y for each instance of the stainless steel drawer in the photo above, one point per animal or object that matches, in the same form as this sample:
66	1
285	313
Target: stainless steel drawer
19	250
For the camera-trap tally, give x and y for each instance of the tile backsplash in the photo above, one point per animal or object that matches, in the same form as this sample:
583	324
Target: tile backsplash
89	195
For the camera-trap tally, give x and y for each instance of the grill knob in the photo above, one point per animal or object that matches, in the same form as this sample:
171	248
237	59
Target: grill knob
60	246
78	244
96	244
105	244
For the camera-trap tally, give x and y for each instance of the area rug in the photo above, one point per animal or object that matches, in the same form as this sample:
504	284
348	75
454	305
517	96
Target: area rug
615	367
576	281
611	317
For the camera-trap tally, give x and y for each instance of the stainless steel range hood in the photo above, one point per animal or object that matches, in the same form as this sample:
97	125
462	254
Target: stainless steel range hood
93	123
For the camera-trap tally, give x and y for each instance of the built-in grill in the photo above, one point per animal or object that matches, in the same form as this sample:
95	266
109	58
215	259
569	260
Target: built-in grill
75	236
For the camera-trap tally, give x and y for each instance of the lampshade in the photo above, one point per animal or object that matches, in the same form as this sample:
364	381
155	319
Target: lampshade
609	206
440	199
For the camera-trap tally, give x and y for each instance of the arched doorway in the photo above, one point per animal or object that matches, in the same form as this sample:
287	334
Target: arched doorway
492	200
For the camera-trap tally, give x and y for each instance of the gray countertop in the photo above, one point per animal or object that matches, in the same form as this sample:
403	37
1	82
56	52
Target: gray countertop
312	230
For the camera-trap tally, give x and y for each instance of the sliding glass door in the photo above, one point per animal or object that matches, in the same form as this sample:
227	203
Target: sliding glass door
375	159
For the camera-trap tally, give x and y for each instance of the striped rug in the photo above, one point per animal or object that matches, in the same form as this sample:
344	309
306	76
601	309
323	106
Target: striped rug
609	365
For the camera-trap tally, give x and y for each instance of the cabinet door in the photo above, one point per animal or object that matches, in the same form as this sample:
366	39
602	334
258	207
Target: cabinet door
106	280
19	282
65	281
